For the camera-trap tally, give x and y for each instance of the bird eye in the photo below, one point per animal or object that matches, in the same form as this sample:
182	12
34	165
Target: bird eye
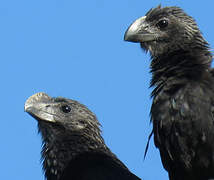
162	23
66	108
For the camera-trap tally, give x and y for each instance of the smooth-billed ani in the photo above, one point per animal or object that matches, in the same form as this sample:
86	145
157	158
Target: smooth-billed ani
183	96
73	148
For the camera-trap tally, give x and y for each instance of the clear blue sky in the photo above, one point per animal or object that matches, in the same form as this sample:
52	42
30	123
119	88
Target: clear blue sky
75	49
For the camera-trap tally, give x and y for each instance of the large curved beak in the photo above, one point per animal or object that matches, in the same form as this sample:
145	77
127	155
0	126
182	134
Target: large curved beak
138	31
39	106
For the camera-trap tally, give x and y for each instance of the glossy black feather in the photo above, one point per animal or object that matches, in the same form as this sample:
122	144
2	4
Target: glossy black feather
96	166
183	103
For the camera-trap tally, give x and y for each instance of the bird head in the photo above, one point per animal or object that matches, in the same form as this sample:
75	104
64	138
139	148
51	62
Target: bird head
61	114
68	130
164	30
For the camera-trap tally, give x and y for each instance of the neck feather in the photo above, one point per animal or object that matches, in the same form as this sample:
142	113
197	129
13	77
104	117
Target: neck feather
60	148
179	66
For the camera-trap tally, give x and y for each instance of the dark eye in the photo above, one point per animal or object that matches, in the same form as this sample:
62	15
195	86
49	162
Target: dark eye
162	23
82	122
66	108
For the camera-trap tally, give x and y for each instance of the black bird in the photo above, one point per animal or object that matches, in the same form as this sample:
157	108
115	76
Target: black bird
183	96
73	148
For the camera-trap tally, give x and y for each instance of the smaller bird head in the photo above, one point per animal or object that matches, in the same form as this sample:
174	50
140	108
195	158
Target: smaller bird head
163	30
61	112
68	130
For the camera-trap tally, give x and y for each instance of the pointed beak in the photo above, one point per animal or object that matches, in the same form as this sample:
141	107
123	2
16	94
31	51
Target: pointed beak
138	31
39	106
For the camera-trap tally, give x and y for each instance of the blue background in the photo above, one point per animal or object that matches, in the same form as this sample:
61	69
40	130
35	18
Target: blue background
75	49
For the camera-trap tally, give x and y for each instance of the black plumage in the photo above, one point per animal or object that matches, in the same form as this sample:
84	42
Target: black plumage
183	96
73	148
